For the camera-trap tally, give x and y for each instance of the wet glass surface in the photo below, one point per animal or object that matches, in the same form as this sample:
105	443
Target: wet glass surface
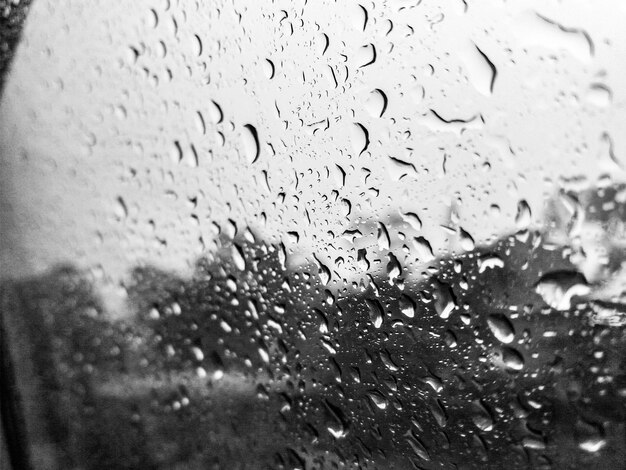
314	235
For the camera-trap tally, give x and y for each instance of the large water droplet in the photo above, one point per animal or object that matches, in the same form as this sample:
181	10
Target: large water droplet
501	328
359	137
378	399
250	143
445	301
467	242
376	103
238	257
423	249
384	243
376	312
558	288
215	112
523	217
407	306
512	359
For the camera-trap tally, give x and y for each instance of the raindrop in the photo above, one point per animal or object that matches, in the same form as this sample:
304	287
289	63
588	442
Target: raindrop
413	220
269	69
423	249
481	71
439	413
467	242
378	399
384	243
215	112
323	271
366	55
364	264
359	137
501	328
393	268
200	125
376	103
238	257
512	359
489	262
445	300
376	312
120	209
418	448
358	15
523	217
251	143
558	288
592	445
482	417
407	306
599	95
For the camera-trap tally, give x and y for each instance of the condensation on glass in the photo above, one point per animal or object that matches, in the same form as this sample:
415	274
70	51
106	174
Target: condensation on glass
316	234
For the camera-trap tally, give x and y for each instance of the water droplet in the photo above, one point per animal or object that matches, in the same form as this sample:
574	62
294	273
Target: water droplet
323	271
407	306
359	137
445	302
197	45
512	359
592	444
481	71
501	328
376	103
489	262
423	249
362	260
413	220
558	288
523	217
251	143
200	125
378	399
238	257
482	417
384	243
467	242
268	68
393	268
215	112
376	312
365	55
418	448
599	95
532	29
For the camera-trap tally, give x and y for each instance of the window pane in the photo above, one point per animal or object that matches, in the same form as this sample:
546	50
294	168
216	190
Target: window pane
314	234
